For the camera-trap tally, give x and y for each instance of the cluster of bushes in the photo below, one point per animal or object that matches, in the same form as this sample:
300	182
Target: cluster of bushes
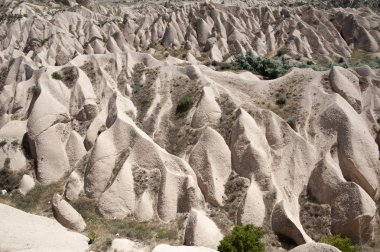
67	74
273	68
344	244
249	238
243	238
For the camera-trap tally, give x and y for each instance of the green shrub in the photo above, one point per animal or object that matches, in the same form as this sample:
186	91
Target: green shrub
273	68
270	68
282	51
184	104
280	99
343	243
292	122
56	76
242	239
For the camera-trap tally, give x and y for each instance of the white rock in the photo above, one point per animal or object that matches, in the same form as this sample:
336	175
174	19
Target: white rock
26	184
315	247
21	231
201	231
125	245
211	161
66	214
168	248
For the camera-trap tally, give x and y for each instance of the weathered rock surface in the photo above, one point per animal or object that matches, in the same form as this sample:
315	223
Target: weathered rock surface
28	232
26	184
315	247
125	245
211	161
88	96
66	214
201	231
168	248
74	187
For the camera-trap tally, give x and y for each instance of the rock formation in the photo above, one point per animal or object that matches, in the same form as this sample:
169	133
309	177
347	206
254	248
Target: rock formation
125	106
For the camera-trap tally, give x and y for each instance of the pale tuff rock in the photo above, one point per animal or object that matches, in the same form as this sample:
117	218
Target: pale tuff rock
201	231
73	187
75	149
208	110
325	180
109	118
353	136
353	213
26	184
125	245
211	161
252	209
285	224
11	136
168	248
250	151
23	231
66	214
346	84
315	247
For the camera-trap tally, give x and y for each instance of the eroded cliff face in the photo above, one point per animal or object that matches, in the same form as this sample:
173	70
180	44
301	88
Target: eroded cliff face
114	103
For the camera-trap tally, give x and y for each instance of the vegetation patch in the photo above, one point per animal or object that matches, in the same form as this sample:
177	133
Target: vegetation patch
272	68
142	88
37	201
184	104
314	217
9	180
235	190
344	244
3	77
180	136
56	76
102	231
243	238
227	118
145	179
68	75
280	99
292	122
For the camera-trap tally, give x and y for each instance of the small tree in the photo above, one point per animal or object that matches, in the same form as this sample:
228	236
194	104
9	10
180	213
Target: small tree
184	104
343	243
243	239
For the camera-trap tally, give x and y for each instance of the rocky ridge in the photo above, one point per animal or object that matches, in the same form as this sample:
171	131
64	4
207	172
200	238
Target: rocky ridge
114	102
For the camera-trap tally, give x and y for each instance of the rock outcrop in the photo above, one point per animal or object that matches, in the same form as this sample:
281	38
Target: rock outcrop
26	184
23	231
317	247
66	214
201	231
151	131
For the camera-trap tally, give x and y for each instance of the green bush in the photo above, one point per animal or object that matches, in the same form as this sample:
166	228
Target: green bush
280	99
292	122
273	68
243	239
56	76
184	104
343	243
